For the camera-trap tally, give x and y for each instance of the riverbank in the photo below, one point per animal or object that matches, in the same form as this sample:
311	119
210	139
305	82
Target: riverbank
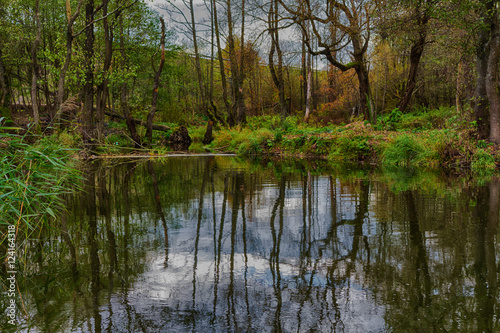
434	139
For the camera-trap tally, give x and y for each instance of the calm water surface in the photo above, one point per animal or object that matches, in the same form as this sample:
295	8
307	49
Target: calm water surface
214	244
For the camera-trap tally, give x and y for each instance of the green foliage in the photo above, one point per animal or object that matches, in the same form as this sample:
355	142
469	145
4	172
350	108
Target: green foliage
32	179
350	149
405	150
483	162
197	148
244	141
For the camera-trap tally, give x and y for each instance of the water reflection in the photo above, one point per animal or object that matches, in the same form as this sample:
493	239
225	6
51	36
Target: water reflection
211	245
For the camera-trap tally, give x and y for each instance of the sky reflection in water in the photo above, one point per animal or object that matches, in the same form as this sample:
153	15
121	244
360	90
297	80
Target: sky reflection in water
212	245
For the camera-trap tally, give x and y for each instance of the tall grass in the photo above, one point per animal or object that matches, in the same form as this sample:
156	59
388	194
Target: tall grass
33	176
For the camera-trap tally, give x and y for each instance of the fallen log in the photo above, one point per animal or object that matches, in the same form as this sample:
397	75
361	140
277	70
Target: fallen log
137	121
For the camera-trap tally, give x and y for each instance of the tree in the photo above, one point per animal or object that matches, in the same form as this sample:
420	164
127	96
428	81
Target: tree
352	22
88	87
276	71
492	68
420	12
69	45
156	84
35	68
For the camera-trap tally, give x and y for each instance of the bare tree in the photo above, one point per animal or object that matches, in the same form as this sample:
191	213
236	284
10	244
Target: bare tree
351	18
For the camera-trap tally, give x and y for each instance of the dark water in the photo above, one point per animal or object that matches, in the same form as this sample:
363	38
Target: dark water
217	245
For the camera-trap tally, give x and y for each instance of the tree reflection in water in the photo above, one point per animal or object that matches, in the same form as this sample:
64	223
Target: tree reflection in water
213	245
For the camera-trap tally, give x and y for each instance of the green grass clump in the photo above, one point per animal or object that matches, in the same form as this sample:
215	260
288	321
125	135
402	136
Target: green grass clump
482	162
256	142
350	149
242	140
404	151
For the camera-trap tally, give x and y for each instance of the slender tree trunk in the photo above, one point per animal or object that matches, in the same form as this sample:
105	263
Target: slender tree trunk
103	88
231	119
197	62
156	85
303	92
276	72
492	80
34	67
88	87
308	96
236	82
124	93
207	104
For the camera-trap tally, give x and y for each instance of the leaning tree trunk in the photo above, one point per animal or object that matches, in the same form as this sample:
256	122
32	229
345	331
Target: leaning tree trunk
415	55
69	45
156	85
416	52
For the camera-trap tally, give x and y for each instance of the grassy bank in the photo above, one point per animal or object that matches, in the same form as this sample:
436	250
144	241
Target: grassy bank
429	139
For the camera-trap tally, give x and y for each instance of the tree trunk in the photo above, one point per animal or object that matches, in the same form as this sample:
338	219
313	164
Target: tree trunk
276	72
34	67
415	55
492	80
422	18
5	90
236	75
231	119
103	89
69	45
481	104
88	87
156	84
308	96
366	106
124	93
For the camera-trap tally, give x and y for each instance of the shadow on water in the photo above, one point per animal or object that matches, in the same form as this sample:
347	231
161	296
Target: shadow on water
214	244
